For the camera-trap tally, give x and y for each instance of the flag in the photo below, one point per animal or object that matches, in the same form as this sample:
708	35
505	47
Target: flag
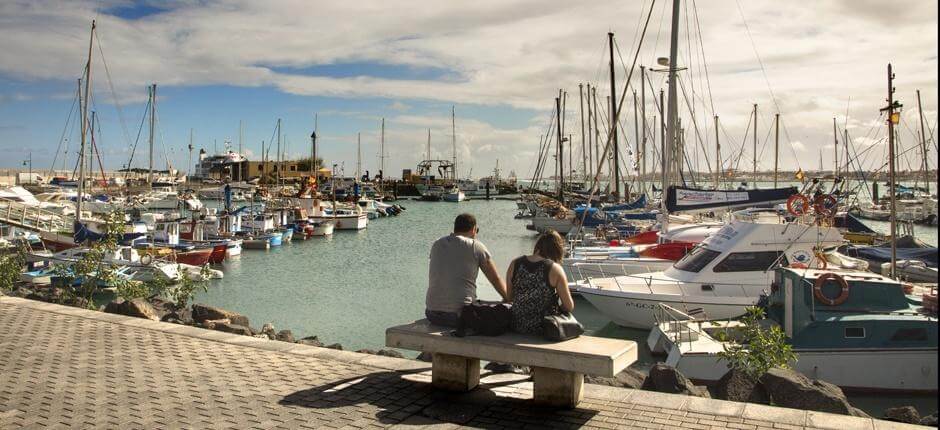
799	175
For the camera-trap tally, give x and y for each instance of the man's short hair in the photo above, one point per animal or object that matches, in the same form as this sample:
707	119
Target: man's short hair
464	223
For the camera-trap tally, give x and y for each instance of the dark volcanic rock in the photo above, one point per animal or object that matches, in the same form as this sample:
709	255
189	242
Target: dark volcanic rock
230	328
310	340
666	379
139	308
285	336
366	351
739	387
179	316
268	330
929	420
627	379
903	414
390	353
204	312
425	356
335	346
791	389
507	368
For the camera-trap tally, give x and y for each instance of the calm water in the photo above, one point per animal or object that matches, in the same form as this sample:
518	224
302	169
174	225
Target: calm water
352	286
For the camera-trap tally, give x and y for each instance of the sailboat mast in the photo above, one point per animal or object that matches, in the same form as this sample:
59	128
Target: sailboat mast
583	145
560	152
776	147
84	127
453	132
613	116
358	156
642	153
835	143
673	107
923	144
891	171
717	157
382	152
755	146
277	157
590	137
153	121
597	133
241	135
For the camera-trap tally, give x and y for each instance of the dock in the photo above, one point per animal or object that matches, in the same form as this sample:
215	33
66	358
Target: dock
64	367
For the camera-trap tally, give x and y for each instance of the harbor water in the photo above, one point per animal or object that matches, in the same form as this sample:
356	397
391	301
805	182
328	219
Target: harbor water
350	287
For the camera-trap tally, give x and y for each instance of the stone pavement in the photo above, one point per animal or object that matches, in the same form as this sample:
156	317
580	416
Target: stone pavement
64	367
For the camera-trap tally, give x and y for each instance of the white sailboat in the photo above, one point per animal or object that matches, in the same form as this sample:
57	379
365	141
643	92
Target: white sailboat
454	194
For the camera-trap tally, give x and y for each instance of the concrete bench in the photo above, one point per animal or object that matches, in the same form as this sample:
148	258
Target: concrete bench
558	368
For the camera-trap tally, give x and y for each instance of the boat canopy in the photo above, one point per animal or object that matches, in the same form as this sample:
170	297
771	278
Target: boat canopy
683	199
639	203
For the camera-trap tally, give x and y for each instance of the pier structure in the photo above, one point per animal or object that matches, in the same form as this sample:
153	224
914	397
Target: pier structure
64	367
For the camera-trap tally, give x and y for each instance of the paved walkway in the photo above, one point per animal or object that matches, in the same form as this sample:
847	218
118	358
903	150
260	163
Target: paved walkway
63	367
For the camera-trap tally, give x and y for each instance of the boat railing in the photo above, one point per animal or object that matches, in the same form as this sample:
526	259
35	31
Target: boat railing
32	217
677	325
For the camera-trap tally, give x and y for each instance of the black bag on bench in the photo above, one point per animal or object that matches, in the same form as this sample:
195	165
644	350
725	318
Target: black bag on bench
561	327
484	318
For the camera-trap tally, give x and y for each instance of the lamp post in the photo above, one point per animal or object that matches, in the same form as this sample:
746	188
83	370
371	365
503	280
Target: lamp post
29	162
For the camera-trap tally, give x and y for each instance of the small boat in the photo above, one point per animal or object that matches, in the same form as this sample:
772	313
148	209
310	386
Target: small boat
861	332
286	234
454	194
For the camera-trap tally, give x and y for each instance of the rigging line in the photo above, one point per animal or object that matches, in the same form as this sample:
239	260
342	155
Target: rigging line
708	82
140	129
117	104
65	129
698	136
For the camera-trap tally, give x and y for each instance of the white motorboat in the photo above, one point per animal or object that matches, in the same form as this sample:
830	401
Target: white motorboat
719	278
877	339
341	218
454	194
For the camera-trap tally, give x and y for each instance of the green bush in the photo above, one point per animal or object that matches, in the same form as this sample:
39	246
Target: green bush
754	350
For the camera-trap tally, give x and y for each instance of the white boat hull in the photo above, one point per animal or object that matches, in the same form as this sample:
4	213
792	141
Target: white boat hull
346	222
577	270
638	310
542	223
455	197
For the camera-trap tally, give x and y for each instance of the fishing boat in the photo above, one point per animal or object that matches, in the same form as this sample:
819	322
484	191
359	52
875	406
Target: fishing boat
857	330
719	278
454	194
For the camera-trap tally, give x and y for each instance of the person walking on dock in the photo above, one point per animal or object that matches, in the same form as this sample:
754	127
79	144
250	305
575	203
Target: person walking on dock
454	264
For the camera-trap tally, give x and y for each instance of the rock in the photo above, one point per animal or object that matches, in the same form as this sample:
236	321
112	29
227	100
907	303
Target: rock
210	324
268	330
260	336
310	340
739	387
495	367
903	414
179	316
335	346
366	351
390	353
22	292
791	389
425	356
231	328
163	307
139	308
204	312
285	336
666	379
627	379
929	420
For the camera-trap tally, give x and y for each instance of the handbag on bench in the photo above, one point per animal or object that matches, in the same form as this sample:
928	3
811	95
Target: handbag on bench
562	326
484	318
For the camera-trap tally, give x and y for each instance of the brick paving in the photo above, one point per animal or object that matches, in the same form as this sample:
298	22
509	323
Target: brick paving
69	368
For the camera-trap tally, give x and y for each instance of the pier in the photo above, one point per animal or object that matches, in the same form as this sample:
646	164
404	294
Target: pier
63	367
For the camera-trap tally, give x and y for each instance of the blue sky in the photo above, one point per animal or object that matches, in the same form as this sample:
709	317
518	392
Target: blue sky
499	63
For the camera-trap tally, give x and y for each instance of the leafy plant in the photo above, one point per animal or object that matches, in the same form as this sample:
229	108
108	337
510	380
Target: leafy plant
185	291
10	266
755	350
82	278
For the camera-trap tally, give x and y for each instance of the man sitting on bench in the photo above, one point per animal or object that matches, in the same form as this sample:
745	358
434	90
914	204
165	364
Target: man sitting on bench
455	261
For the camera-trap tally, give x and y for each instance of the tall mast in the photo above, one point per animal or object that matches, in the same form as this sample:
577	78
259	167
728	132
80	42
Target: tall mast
613	115
755	146
382	152
560	151
588	171
717	156
893	118
673	112
597	132
835	144
583	146
84	109
845	155
776	146
277	158
642	153
923	144
190	148
636	130
153	119
358	156
453	132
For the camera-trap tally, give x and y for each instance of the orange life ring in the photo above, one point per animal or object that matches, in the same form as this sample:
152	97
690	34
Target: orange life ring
818	292
825	204
798	210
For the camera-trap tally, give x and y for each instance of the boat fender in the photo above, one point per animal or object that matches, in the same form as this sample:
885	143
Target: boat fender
146	259
825	205
798	205
818	292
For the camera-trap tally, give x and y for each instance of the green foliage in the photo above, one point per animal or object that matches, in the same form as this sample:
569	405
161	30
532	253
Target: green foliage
10	267
93	268
755	350
185	291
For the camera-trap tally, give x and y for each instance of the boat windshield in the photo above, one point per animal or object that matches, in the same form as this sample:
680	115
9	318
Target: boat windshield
758	261
696	260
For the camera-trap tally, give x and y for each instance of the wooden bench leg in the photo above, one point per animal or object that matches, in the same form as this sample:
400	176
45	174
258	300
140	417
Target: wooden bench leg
455	373
557	387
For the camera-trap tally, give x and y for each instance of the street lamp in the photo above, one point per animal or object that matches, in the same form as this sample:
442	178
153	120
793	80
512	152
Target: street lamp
29	162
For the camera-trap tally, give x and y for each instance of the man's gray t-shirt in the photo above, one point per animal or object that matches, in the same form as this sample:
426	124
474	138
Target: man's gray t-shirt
455	261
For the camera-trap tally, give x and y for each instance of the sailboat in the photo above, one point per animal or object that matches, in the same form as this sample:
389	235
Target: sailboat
454	193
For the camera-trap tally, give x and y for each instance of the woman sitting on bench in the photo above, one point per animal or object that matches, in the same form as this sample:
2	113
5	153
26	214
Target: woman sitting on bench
536	283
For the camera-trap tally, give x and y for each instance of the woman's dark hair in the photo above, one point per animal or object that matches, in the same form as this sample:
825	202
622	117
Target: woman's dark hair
550	245
464	223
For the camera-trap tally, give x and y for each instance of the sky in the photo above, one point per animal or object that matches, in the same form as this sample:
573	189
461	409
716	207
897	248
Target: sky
345	66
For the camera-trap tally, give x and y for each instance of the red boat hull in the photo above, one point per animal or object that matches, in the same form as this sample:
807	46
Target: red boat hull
196	257
668	251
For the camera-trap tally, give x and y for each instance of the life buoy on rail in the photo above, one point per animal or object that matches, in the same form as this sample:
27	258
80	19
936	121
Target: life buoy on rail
798	205
818	292
825	204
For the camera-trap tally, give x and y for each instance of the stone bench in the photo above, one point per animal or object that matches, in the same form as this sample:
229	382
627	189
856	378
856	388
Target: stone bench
558	368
